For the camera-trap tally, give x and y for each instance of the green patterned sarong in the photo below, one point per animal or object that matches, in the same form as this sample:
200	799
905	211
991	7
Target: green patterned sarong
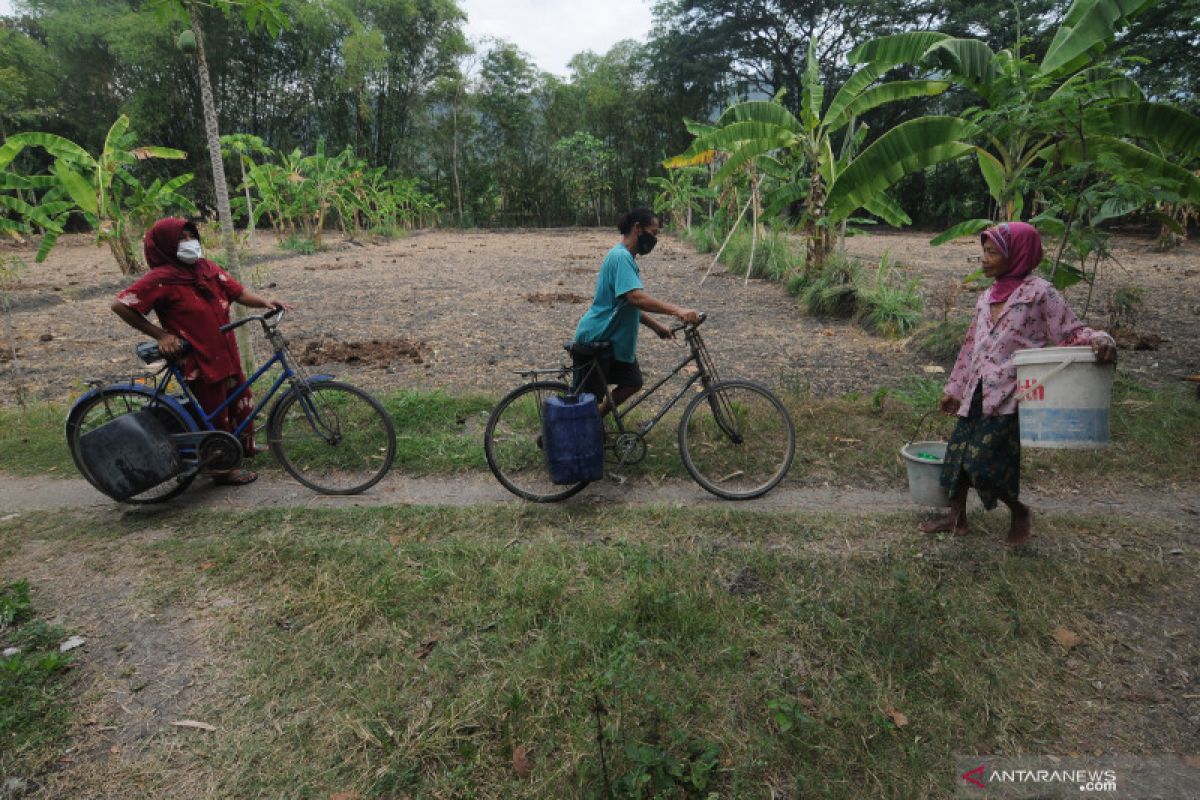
985	451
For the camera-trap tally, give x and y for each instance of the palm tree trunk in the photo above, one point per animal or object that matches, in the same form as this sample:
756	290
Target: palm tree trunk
220	187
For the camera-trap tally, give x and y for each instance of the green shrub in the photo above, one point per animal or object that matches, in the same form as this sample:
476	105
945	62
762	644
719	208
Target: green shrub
833	293
890	305
773	256
705	238
298	244
941	341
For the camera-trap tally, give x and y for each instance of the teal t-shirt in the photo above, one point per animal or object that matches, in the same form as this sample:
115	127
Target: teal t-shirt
612	318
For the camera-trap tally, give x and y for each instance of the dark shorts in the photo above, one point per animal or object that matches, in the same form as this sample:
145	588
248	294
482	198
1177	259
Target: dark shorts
620	373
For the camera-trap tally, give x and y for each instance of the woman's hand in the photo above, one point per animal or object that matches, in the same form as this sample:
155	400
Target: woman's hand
169	345
276	304
1105	349
949	405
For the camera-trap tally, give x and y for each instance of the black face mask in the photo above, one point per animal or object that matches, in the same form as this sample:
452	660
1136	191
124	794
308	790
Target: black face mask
645	243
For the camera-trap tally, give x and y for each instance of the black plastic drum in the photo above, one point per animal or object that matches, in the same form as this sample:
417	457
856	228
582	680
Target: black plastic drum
129	455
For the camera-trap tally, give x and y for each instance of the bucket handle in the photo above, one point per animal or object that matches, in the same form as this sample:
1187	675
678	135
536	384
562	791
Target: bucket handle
920	424
1038	384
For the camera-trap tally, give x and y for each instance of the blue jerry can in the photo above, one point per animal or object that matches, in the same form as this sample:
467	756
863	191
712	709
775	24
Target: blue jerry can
573	439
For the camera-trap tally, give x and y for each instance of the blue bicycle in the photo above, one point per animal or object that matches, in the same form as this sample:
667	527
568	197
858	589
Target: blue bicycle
141	442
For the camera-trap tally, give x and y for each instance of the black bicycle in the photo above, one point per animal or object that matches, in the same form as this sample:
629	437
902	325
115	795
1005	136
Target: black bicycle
735	437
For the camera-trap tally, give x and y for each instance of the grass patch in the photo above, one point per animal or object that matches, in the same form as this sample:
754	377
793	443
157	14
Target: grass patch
665	652
33	709
941	341
852	439
296	243
773	256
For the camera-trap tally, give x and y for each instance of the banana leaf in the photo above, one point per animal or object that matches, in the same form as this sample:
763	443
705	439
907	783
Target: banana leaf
879	95
969	59
888	209
908	147
1088	24
766	111
886	52
993	172
78	187
968	228
55	145
1172	127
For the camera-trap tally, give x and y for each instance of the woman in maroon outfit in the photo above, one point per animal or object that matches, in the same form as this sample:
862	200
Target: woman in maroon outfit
190	295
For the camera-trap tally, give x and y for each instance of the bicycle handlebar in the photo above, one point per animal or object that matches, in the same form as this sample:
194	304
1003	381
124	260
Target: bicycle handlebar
274	312
682	325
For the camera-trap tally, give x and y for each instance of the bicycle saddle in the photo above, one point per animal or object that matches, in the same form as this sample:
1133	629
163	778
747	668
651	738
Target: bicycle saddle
148	352
588	350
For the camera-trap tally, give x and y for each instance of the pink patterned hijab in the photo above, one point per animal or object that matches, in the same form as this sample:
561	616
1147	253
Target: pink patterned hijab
1021	246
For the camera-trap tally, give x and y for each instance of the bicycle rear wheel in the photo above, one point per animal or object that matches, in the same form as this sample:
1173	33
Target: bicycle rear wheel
332	437
512	442
737	440
105	406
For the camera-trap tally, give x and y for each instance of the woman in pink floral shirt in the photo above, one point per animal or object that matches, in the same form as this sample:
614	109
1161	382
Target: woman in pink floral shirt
1020	311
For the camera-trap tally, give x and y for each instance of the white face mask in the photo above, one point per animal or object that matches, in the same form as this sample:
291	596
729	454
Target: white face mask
189	252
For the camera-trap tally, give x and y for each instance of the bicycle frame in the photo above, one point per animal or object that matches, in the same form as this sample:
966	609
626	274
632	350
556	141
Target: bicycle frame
695	345
204	419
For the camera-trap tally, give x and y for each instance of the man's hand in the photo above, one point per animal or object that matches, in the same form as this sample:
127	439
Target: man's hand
169	345
688	316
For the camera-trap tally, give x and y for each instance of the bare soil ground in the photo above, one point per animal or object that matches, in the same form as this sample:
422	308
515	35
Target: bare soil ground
464	309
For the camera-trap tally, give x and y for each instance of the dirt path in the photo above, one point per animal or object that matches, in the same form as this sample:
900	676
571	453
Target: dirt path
20	495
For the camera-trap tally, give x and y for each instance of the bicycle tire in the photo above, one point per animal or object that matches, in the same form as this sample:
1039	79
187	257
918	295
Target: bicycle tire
108	404
737	440
512	444
349	449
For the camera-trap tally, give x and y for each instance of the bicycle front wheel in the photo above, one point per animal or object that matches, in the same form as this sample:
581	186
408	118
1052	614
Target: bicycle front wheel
512	442
108	404
737	440
332	437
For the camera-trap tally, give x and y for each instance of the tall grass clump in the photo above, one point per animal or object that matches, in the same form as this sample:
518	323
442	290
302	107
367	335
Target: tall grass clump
833	292
891	304
941	341
773	256
705	238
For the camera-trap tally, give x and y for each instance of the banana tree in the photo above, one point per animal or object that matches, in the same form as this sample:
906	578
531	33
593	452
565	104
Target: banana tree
95	185
679	194
1068	109
837	185
243	147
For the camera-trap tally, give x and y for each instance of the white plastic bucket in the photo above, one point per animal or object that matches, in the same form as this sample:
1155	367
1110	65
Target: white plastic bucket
1063	397
924	473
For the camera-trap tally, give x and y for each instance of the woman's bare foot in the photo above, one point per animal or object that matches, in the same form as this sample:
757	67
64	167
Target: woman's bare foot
1021	528
954	521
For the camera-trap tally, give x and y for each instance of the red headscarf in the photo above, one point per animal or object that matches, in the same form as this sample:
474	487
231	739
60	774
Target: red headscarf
159	246
1021	246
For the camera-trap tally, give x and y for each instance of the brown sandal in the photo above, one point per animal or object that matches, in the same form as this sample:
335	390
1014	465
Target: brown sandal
237	477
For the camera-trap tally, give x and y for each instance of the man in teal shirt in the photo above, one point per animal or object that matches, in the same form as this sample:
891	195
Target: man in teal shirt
619	306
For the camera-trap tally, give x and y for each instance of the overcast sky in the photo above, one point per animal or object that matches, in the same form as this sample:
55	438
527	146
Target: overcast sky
550	31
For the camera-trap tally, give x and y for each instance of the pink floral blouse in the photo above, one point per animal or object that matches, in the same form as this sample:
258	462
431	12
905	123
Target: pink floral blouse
1035	315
